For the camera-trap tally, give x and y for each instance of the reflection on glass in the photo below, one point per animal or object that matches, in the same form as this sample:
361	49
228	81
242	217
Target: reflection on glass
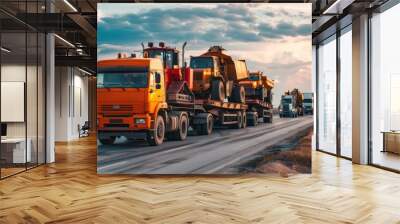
31	96
327	96
346	94
14	153
385	86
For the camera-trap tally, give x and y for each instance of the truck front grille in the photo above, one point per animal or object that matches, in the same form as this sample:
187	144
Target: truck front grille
116	125
116	108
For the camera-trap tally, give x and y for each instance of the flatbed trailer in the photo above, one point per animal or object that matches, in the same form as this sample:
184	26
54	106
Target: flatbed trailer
207	113
258	109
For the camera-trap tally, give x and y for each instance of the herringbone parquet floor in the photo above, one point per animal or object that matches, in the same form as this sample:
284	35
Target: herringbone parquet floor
70	191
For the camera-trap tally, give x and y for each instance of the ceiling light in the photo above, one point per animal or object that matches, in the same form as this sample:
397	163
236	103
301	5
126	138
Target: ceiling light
84	71
5	50
337	7
65	41
70	5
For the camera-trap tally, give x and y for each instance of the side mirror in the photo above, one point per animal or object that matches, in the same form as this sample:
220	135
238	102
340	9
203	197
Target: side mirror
158	86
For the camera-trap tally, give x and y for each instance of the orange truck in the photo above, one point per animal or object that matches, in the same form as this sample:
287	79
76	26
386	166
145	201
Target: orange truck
258	89
151	98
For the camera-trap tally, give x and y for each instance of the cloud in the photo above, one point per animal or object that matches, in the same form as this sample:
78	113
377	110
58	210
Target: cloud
273	38
222	23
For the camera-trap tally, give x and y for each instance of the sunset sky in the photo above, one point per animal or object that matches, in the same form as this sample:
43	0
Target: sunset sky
273	38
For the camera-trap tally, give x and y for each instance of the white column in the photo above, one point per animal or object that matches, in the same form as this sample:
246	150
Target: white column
50	92
360	90
50	99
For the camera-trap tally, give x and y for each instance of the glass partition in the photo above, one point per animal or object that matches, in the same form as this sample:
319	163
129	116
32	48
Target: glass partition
385	89
327	95
22	88
14	153
346	93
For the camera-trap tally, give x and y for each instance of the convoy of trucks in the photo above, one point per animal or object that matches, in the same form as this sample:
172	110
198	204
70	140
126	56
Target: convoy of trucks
156	98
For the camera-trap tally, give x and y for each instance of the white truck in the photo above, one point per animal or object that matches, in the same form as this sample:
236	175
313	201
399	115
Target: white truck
308	103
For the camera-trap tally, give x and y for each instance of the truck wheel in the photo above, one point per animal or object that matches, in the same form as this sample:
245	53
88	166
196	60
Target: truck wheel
253	120
217	90
239	123
182	131
207	127
107	141
156	136
244	120
238	95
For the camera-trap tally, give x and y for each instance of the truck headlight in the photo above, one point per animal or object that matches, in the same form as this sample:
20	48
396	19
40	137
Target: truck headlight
140	121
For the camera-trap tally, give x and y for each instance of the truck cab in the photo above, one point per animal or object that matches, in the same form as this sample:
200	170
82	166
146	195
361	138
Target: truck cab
130	91
308	103
288	107
168	55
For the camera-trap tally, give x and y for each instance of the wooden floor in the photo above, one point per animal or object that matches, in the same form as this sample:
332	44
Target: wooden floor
70	191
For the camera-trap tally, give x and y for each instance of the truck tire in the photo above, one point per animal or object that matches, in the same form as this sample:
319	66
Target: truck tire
107	141
239	123
253	120
244	120
238	95
217	90
156	136
207	127
181	133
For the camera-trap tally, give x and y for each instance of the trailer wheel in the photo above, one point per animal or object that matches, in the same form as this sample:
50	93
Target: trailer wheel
244	120
156	136
239	123
238	95
252	119
107	141
182	131
217	90
207	127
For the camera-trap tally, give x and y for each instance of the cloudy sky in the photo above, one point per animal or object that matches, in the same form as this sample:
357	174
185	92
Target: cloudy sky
273	38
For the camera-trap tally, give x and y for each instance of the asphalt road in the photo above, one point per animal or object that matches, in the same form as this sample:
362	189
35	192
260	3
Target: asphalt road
213	154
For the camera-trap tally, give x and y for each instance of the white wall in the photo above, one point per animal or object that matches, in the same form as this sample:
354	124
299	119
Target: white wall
71	102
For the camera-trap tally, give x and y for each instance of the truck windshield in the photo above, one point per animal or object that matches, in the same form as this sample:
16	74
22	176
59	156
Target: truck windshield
201	62
286	100
254	77
122	80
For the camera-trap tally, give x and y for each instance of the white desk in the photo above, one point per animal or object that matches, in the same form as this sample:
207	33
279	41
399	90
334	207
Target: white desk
17	145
